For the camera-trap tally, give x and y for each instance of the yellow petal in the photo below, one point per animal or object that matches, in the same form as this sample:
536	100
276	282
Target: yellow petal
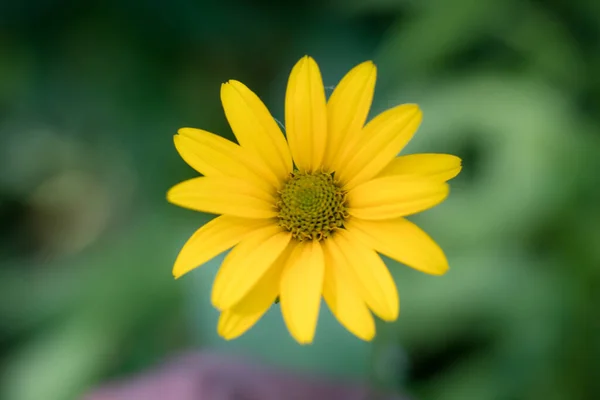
403	241
212	239
301	286
242	316
395	196
343	298
306	115
441	167
347	111
371	276
246	264
214	156
223	195
381	141
255	128
233	324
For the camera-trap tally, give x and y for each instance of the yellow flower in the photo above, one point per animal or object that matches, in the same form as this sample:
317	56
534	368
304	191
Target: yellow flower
306	217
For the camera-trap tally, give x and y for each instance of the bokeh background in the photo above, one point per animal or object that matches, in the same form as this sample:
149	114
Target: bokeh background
91	94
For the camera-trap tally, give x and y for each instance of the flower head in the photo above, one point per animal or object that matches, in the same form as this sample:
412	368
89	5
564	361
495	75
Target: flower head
307	213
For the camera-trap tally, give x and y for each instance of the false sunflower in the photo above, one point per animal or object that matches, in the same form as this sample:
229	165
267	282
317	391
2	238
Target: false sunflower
307	213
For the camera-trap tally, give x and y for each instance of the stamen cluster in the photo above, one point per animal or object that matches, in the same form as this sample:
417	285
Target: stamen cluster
311	206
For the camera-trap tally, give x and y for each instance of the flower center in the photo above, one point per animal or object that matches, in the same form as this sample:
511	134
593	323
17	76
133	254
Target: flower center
311	206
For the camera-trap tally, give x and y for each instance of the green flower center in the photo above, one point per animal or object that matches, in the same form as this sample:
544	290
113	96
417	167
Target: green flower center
311	206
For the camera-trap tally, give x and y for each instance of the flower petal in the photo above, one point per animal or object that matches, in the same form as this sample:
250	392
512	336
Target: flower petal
301	286
403	241
242	316
347	111
441	167
255	128
223	196
306	115
381	141
212	239
246	264
233	324
343	298
395	196
371	276
214	156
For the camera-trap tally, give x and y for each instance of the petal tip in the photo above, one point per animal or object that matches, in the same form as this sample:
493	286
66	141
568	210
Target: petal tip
392	310
183	131
180	268
408	108
442	270
414	108
368	69
222	331
369	64
235	83
306	61
214	300
225	87
391	317
303	340
223	301
176	275
228	336
369	336
170	195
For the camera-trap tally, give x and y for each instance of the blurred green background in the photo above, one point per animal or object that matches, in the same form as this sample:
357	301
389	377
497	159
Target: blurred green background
91	94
